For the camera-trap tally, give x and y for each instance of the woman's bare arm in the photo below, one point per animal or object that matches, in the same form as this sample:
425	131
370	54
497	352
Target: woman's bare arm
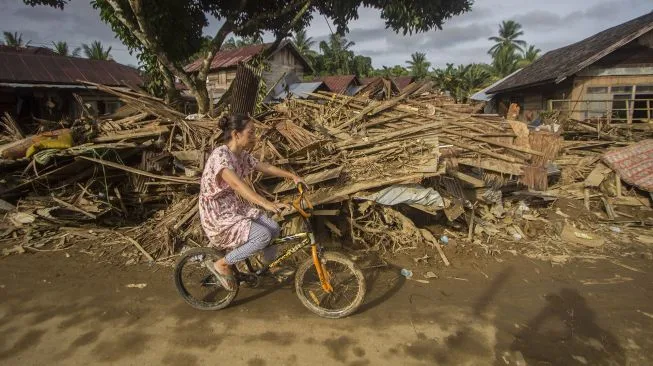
277	172
245	191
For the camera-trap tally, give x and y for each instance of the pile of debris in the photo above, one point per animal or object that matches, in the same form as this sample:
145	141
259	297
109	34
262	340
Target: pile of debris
382	173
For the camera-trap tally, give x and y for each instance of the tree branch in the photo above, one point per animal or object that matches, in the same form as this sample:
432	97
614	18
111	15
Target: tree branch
139	30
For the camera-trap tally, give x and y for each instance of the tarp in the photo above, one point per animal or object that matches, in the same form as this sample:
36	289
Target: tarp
408	194
633	164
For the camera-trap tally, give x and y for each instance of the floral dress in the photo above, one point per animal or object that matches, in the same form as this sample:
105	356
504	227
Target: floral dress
225	216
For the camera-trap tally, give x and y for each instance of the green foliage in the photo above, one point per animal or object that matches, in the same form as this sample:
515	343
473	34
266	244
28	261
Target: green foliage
529	56
15	39
418	65
170	31
96	51
390	72
505	62
61	48
509	31
462	81
233	43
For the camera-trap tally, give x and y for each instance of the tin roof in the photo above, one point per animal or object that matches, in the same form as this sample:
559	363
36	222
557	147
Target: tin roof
31	68
231	58
339	83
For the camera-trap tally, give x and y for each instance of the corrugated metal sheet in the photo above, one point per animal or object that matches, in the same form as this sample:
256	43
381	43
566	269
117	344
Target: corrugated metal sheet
403	81
45	69
339	83
229	58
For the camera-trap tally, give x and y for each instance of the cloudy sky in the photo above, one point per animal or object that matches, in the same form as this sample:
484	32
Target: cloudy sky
547	24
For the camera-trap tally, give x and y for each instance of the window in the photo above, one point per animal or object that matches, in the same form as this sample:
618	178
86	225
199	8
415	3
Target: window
622	89
597	90
644	89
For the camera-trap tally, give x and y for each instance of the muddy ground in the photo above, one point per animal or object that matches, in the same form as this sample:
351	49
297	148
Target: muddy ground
72	310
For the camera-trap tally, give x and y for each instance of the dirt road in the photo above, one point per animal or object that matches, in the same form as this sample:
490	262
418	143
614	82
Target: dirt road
72	310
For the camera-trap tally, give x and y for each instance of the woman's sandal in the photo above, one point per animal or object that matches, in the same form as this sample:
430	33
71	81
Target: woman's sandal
228	282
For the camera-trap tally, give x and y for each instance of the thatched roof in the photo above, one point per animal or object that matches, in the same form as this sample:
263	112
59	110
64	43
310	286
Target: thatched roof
555	66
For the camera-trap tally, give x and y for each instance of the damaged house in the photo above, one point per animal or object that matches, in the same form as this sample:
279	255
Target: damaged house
608	75
35	84
286	58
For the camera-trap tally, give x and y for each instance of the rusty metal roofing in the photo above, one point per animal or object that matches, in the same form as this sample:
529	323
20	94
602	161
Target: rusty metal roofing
403	81
28	49
339	83
231	58
46	69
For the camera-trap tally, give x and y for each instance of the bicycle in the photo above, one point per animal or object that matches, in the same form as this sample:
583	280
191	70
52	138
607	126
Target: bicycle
322	282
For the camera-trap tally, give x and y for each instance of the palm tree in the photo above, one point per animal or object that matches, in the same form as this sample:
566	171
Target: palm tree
233	43
96	51
15	39
303	43
529	56
509	31
505	62
418	65
337	54
61	48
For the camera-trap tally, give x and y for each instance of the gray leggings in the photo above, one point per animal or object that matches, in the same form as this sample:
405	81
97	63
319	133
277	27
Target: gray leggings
261	233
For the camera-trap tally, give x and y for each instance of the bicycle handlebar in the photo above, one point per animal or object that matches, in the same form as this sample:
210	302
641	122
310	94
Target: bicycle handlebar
301	203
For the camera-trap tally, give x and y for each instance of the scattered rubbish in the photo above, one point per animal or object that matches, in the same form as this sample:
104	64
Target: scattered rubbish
615	229
644	239
609	281
444	240
560	213
572	235
645	314
422	281
424	259
137	285
458	278
406	273
430	275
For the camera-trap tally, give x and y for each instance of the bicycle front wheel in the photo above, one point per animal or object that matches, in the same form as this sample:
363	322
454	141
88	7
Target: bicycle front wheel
346	279
197	285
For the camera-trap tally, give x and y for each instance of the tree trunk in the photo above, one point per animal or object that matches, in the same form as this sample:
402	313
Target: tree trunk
171	90
201	95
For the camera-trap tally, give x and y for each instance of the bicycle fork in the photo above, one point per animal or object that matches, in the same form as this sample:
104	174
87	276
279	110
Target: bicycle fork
325	281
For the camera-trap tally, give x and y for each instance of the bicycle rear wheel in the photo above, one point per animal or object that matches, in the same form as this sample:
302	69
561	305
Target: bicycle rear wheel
197	285
346	279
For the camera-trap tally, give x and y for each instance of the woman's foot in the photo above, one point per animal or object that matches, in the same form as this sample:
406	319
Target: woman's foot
224	274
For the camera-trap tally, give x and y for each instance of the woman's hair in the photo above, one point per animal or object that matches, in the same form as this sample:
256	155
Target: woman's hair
235	122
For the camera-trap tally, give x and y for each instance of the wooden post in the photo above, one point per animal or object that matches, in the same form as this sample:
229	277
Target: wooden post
586	193
550	104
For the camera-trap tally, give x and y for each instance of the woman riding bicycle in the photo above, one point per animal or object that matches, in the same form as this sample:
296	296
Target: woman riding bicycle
226	202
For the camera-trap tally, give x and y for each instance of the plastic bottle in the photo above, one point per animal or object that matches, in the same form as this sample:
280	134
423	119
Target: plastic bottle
406	273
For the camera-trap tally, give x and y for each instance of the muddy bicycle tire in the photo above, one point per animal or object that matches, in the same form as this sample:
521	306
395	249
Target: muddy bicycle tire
200	254
308	268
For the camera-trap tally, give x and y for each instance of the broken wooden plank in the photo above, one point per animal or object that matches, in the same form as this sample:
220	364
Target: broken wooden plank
73	207
468	179
493	165
133	134
141	172
310	179
496	143
597	176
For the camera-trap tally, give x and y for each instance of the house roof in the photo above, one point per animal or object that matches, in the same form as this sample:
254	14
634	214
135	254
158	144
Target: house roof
483	95
27	50
403	81
339	83
231	58
557	65
30	68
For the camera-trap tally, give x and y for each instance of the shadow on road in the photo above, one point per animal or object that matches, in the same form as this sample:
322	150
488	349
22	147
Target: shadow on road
565	332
